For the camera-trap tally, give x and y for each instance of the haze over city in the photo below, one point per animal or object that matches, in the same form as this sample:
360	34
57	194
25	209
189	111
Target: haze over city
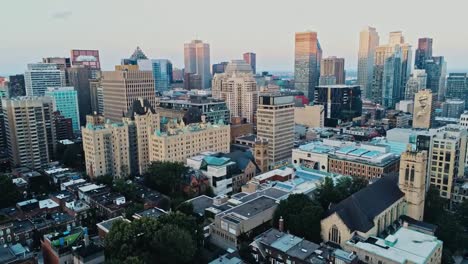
161	28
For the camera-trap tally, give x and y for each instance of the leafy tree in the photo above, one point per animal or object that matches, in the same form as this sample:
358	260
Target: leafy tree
332	193
134	208
128	189
186	208
105	179
171	238
326	193
73	157
40	185
301	216
9	194
165	177
462	214
434	206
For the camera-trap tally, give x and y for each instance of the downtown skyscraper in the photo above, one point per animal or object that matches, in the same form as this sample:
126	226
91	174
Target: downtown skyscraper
423	53
332	71
368	42
197	61
39	76
251	58
307	58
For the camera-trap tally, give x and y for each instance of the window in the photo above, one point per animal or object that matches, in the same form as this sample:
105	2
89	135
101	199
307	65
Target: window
334	235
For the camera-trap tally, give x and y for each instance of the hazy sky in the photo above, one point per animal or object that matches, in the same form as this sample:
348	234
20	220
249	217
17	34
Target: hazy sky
32	29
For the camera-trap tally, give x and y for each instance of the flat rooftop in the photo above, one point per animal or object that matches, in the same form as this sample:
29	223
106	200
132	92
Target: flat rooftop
252	208
405	246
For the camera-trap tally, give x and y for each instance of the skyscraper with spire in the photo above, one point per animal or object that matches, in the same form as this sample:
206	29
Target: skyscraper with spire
307	58
138	54
368	42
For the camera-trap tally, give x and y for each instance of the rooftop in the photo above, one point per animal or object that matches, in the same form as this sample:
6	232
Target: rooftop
252	208
107	224
405	246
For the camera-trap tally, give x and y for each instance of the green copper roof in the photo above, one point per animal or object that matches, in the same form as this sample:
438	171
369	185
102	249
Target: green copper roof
210	160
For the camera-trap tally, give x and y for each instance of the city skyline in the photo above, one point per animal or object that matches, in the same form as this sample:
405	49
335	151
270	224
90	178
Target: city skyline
272	39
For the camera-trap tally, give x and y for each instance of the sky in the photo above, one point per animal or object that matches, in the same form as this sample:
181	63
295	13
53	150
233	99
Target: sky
32	29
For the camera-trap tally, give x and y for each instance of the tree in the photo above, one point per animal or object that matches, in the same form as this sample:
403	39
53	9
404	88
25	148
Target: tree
434	205
73	157
462	214
9	193
326	193
301	216
165	177
330	192
186	208
132	209
169	239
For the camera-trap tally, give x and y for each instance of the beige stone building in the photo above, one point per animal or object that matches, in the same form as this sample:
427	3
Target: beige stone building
309	115
447	158
122	87
182	141
365	213
106	148
120	148
413	167
423	109
275	123
333	67
238	88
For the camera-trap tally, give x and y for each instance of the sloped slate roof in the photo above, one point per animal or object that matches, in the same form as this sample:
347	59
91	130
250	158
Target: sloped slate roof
359	210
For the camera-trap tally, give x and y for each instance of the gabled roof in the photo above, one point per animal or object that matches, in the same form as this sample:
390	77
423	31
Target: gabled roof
359	210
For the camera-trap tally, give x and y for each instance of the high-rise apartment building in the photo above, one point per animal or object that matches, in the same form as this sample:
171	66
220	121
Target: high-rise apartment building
447	158
182	141
275	123
87	58
453	108
333	66
415	83
197	61
423	113
66	101
307	57
368	42
122	87
457	86
237	86
40	76
412	181
387	64
29	130
79	77
341	103
63	126
251	59
423	53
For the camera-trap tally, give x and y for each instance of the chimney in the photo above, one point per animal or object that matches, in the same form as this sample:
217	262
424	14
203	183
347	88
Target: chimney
281	224
86	237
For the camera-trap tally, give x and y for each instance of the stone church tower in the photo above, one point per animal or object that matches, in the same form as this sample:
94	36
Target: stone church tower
412	181
261	154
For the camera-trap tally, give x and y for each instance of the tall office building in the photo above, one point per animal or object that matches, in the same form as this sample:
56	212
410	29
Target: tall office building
436	69
122	87
457	86
386	79
162	73
237	86
87	58
453	108
307	57
412	181
16	86
39	76
63	126
341	103
423	53
368	42
447	158
197	61
95	91
79	77
66	101
251	59
334	67
219	67
415	83
29	130
275	124
423	113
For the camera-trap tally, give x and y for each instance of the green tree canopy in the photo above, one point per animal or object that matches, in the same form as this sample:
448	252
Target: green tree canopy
165	177
171	238
9	193
301	216
330	192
